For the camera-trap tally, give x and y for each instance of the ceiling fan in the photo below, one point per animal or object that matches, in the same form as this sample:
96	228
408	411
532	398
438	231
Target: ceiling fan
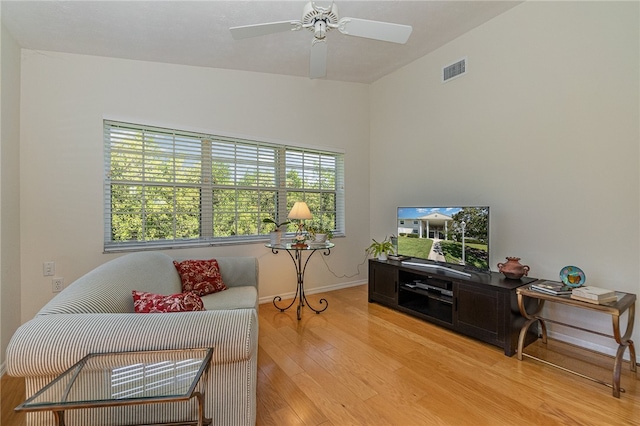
320	20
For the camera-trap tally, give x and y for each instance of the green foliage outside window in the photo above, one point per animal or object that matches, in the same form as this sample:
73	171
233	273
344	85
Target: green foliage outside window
163	187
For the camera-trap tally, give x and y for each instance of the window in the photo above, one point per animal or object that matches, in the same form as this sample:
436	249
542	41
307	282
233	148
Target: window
168	188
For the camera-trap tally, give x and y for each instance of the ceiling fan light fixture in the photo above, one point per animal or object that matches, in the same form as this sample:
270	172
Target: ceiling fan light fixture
312	13
319	20
320	29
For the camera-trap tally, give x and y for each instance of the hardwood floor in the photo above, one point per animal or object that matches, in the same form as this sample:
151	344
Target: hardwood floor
363	364
11	395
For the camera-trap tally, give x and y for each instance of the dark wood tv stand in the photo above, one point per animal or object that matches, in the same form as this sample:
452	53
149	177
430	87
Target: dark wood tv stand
483	306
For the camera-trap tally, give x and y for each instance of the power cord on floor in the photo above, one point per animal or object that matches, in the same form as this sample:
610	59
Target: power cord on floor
366	255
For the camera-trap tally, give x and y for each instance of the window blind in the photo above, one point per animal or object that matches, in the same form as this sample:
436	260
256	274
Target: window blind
165	187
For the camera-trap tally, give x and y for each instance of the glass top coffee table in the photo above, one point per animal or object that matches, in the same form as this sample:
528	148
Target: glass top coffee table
126	378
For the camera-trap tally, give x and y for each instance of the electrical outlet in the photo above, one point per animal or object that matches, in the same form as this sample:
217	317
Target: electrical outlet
57	284
49	269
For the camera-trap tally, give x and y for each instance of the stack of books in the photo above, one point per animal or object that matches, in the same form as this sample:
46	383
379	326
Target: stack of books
551	287
595	295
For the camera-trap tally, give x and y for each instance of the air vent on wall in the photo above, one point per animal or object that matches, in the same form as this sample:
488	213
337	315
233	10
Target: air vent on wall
454	70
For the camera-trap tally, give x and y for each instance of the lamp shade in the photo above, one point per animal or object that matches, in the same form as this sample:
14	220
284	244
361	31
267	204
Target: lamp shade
300	211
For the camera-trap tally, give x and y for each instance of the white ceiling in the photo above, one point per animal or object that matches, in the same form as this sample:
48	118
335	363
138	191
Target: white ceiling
197	32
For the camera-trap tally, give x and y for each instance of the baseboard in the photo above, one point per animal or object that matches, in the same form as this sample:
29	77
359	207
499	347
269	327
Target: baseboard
586	344
289	295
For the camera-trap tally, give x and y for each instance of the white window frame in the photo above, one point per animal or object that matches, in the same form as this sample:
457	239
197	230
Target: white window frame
278	162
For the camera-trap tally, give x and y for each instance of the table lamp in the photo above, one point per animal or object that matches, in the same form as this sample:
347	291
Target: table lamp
300	212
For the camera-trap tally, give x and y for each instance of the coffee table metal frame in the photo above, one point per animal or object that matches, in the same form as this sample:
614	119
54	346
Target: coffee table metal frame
59	407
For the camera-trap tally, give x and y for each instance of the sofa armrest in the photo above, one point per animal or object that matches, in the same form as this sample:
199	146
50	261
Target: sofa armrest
50	344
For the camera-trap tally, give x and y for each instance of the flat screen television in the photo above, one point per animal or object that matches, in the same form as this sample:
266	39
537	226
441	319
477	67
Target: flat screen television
446	236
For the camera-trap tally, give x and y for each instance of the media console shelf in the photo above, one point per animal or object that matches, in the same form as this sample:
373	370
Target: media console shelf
482	305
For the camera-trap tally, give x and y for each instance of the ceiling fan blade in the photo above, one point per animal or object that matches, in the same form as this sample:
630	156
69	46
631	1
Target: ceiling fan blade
385	31
246	31
318	62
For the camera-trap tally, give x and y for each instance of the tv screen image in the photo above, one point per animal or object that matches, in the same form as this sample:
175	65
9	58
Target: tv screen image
453	235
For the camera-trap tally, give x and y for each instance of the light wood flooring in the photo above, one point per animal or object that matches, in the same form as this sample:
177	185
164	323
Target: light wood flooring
360	363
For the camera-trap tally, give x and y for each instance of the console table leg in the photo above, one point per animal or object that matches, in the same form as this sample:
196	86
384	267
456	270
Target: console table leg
523	336
623	342
617	366
543	332
531	318
631	319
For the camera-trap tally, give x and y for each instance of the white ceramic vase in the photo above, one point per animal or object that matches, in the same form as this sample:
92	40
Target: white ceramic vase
275	238
321	238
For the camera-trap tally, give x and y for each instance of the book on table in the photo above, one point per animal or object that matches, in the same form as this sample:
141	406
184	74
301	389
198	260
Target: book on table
594	294
551	287
613	298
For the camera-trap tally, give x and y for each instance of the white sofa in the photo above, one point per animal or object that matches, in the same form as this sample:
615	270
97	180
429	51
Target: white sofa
95	314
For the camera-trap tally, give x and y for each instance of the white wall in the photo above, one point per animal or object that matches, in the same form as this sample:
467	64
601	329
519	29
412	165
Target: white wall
543	128
64	100
9	190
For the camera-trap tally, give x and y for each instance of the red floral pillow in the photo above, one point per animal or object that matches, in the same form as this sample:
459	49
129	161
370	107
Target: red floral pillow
150	303
200	276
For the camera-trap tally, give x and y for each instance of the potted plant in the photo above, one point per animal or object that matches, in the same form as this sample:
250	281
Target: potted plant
319	233
275	236
380	249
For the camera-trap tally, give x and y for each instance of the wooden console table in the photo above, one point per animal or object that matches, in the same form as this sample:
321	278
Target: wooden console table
483	305
626	302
